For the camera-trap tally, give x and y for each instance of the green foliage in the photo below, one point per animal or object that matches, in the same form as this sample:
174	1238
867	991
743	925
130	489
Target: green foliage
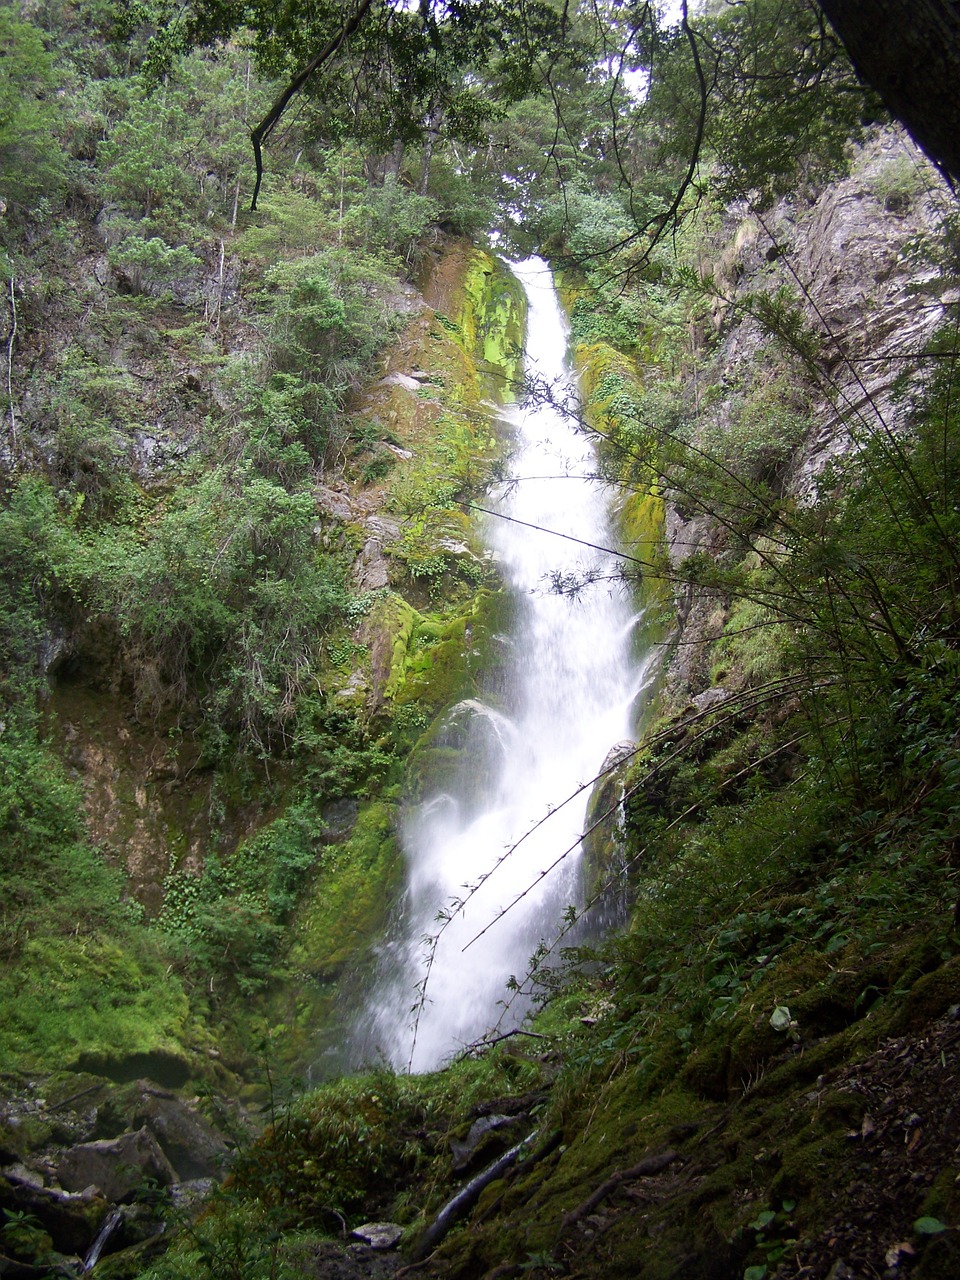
394	218
145	162
24	1236
152	266
782	102
233	1239
173	160
331	1149
32	171
39	566
899	182
369	1147
327	320
230	914
589	221
225	924
402	76
225	602
78	971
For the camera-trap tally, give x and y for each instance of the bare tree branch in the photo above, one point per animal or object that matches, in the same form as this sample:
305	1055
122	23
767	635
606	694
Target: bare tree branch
261	133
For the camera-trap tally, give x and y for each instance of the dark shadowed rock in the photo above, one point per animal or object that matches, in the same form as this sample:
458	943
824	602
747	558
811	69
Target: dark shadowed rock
71	1221
467	1153
193	1147
329	1260
339	818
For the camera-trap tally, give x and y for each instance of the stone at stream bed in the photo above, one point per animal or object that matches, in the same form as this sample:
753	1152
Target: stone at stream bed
330	1260
378	1235
119	1167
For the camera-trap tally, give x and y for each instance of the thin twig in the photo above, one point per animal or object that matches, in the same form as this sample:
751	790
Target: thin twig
14	441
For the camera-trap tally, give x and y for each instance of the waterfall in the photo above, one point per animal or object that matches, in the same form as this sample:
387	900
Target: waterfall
563	699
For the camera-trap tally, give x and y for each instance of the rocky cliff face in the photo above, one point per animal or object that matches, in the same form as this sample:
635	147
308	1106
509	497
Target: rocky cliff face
850	277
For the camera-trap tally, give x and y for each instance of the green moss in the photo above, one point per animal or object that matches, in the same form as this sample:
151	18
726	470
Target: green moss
491	321
642	523
351	896
930	997
603	838
88	995
387	631
436	671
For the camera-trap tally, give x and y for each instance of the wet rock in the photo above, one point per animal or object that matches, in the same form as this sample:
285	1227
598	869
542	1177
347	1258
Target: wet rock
192	1146
339	818
603	836
118	1167
71	1220
476	1147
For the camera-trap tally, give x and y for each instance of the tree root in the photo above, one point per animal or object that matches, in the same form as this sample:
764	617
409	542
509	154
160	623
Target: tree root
650	1165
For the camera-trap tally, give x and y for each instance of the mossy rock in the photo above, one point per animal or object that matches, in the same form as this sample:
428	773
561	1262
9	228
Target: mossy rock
492	322
170	1069
707	1070
351	898
93	992
929	998
642	519
433	770
436	670
459	755
387	631
603	841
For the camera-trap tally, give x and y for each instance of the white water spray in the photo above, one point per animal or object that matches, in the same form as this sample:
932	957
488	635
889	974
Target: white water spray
569	684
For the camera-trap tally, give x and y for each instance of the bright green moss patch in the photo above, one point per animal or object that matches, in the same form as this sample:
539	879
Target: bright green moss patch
351	895
89	996
492	320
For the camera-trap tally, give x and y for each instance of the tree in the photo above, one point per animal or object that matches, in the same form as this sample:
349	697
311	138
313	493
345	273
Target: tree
392	73
909	52
31	164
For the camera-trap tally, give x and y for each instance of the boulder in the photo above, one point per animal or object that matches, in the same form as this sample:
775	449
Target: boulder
379	1235
477	1147
119	1167
370	572
190	1144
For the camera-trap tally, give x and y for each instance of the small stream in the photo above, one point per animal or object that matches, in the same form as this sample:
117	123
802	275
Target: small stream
569	680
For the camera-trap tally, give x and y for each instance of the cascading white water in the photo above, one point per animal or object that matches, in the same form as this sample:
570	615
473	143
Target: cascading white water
568	686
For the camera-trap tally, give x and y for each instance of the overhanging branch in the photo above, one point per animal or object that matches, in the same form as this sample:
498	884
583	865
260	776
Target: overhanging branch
261	133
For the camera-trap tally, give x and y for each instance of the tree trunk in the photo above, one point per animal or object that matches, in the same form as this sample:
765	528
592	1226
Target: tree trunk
431	135
909	52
